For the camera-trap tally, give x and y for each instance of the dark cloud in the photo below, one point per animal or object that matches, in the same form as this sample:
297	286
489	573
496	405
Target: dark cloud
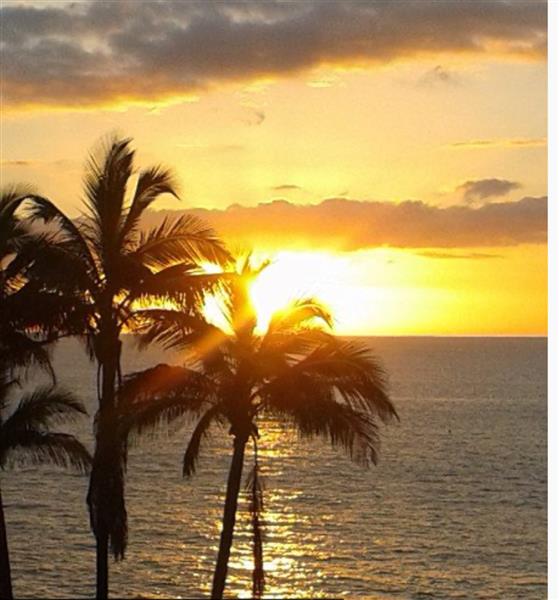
353	225
463	256
92	53
482	189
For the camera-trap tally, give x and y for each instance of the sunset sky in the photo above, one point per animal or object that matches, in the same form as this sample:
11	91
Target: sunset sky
390	155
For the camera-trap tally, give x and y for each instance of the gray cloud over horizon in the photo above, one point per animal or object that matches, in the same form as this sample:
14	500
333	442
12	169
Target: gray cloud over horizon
483	189
92	53
349	225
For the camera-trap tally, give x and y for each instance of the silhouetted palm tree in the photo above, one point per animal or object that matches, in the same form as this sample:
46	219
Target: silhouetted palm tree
29	316
295	371
26	436
114	271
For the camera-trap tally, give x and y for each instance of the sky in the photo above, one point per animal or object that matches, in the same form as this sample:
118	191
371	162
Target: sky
389	156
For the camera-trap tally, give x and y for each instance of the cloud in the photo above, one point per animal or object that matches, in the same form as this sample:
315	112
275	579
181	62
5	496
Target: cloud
481	189
17	163
462	256
501	143
286	187
437	76
342	224
106	53
254	118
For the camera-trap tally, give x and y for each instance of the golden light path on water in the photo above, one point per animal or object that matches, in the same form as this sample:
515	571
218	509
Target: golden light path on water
284	547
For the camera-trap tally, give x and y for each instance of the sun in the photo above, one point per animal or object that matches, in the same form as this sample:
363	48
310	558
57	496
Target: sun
290	275
293	275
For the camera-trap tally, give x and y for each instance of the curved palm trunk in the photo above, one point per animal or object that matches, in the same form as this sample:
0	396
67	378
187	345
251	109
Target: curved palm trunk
229	515
5	575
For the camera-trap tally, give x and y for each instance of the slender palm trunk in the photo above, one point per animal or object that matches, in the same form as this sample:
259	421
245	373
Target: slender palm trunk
102	549
108	357
229	515
5	575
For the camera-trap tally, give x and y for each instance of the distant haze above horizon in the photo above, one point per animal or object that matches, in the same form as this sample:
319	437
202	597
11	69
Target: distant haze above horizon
390	156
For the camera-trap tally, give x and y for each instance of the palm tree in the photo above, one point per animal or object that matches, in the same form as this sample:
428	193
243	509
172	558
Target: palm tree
296	371
114	272
26	435
29	316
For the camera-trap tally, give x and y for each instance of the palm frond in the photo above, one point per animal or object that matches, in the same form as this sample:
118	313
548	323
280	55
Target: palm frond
291	346
11	227
161	394
45	210
192	452
47	257
314	412
152	183
20	351
108	172
173	329
40	447
182	284
41	409
299	314
352	370
183	240
7	381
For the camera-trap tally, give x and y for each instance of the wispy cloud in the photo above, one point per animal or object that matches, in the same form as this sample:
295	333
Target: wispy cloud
17	163
352	224
501	143
459	256
286	187
94	53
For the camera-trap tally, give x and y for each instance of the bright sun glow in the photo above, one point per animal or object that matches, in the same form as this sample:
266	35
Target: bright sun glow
289	276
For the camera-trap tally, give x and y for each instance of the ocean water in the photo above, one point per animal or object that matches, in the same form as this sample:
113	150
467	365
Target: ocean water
456	507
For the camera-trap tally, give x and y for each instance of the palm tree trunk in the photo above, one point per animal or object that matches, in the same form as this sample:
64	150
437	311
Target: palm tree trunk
229	514
5	575
102	550
108	358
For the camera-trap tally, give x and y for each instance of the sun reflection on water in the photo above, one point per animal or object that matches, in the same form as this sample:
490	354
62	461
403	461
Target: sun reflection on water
285	552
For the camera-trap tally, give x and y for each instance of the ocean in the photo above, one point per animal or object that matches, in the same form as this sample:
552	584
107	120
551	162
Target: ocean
456	508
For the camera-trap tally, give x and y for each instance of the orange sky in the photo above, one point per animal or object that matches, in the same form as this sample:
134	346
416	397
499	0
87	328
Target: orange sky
393	154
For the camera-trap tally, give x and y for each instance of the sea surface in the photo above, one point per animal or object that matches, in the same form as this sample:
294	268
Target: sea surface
456	508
